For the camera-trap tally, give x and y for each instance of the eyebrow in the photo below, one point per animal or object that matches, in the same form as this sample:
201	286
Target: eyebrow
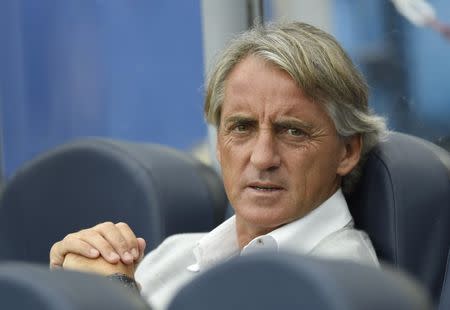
293	122
283	122
238	118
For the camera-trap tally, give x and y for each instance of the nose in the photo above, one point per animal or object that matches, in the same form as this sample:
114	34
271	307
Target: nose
265	155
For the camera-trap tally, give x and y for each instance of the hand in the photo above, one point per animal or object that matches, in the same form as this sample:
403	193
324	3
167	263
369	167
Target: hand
96	265
114	242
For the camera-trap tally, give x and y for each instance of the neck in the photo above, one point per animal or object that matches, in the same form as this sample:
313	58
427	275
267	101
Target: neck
246	233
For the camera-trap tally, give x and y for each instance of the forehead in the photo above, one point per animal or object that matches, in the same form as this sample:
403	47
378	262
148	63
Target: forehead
253	72
256	85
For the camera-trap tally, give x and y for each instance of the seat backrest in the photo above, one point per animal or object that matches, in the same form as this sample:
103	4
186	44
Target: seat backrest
444	302
25	286
403	202
290	281
157	190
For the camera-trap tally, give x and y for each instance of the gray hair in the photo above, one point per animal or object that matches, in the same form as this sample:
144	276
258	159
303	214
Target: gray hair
322	70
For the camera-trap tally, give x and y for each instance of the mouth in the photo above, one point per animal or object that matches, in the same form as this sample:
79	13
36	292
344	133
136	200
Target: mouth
265	187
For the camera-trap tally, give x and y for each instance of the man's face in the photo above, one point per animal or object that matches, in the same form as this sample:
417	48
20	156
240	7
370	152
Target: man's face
280	153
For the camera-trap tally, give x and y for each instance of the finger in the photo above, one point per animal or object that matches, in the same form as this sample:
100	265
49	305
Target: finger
114	237
97	241
131	239
142	244
70	244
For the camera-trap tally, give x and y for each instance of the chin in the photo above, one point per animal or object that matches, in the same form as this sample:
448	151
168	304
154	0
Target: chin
262	217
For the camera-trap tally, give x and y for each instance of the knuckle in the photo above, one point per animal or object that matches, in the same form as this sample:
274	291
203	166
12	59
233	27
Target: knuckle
89	234
104	225
122	225
122	243
69	237
54	248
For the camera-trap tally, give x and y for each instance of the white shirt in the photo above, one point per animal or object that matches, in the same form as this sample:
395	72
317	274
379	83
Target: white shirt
300	236
326	231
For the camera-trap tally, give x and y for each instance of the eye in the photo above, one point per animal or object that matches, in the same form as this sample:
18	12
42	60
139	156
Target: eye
241	127
295	132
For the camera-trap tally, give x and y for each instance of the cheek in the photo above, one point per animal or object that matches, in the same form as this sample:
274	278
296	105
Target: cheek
232	152
223	156
301	177
228	163
313	173
231	178
322	173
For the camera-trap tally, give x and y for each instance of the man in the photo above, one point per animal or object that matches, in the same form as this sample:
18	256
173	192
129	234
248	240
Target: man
292	124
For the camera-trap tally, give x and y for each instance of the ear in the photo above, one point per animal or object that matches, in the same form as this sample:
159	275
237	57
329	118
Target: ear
351	154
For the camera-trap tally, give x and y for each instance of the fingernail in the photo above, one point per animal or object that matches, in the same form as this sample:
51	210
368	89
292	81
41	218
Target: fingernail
114	256
54	266
135	253
94	252
127	256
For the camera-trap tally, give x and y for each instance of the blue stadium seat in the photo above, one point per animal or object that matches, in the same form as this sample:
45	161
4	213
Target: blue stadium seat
26	286
403	203
157	190
290	281
444	302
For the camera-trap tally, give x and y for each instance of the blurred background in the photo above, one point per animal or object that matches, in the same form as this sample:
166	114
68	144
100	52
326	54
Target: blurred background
134	69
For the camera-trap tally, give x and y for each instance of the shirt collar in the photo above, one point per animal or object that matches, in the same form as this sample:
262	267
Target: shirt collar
219	244
301	235
305	233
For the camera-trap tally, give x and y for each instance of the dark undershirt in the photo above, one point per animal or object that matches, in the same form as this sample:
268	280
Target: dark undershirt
125	281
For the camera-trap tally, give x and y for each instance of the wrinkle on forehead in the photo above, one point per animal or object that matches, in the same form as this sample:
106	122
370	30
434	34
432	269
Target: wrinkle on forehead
258	87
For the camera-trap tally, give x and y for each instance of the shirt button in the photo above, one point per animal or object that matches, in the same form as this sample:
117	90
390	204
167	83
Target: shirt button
260	242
